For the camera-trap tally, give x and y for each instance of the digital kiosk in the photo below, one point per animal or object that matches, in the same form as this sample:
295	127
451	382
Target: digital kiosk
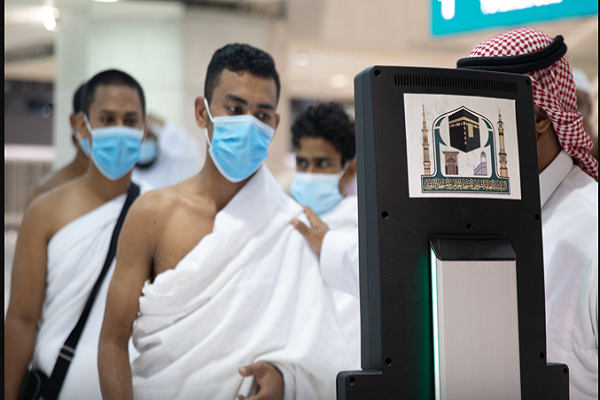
450	242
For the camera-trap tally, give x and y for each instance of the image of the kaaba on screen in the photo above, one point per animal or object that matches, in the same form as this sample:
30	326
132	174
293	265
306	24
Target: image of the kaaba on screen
462	146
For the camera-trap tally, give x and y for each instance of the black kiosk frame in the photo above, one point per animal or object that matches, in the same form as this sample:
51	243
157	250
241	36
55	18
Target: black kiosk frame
402	236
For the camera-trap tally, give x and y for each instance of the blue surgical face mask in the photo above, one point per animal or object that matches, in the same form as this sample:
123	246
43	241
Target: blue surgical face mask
239	144
148	153
84	144
115	149
318	191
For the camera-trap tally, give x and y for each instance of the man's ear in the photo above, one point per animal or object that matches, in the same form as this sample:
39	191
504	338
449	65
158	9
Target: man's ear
82	128
73	121
351	171
542	120
145	129
277	120
200	112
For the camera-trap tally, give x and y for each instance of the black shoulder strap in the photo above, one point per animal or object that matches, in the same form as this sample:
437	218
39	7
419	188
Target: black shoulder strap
67	352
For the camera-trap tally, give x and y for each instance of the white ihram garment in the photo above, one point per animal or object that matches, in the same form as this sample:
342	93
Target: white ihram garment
570	240
76	255
249	291
339	268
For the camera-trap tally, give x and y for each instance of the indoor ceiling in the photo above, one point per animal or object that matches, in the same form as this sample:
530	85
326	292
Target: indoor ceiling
329	41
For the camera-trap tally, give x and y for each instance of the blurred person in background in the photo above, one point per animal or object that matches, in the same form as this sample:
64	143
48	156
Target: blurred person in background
324	141
569	198
584	106
168	155
80	163
323	137
63	244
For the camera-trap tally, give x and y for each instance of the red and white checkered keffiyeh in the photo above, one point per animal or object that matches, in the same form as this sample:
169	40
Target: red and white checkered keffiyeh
553	90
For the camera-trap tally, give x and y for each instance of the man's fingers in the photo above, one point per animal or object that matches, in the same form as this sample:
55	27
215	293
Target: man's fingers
300	226
312	217
253	369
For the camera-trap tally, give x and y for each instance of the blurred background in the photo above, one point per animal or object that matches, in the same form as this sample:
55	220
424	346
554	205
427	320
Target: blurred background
53	46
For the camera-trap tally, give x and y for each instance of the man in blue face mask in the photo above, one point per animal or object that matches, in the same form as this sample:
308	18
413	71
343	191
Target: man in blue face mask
323	137
63	244
227	297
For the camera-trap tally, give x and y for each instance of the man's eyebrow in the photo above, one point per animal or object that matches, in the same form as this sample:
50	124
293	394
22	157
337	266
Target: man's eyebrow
265	106
235	98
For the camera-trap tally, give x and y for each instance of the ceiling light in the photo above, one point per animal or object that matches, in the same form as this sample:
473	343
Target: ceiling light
49	17
302	59
339	81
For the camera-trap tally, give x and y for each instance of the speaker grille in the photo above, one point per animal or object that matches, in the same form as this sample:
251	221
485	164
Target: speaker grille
455	83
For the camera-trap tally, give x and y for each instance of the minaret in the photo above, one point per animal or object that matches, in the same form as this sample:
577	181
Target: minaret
426	162
503	169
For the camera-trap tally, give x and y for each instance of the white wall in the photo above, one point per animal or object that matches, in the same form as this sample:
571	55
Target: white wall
142	39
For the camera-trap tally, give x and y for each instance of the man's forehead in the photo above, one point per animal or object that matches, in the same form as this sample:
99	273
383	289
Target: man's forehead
243	84
116	98
317	147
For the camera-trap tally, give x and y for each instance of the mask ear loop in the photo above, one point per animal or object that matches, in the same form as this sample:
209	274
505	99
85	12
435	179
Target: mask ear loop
87	124
342	172
211	120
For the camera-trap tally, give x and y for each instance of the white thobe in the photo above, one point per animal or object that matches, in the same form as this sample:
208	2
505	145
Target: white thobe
570	239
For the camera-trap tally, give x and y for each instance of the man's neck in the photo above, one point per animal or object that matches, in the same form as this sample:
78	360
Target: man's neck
104	188
215	187
78	166
548	148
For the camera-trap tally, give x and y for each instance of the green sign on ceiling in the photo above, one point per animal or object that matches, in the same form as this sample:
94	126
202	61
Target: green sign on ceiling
455	16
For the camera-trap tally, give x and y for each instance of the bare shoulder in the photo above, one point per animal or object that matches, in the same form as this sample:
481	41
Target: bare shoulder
157	201
154	208
49	182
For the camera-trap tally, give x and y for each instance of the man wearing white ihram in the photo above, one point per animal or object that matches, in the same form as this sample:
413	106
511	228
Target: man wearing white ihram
323	137
569	196
63	242
225	288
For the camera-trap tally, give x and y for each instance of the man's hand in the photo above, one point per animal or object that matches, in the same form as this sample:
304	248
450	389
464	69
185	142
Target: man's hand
268	378
314	234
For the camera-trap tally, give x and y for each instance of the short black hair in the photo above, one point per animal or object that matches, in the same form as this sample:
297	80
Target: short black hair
330	122
112	77
77	99
239	58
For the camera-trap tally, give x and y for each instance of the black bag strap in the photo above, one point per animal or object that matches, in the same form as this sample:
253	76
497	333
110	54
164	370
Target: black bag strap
67	352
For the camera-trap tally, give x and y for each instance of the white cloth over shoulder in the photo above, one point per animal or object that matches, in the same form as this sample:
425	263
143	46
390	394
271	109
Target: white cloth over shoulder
178	159
339	252
249	291
76	255
570	238
339	268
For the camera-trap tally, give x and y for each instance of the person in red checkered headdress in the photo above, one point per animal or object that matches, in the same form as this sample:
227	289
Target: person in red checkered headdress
569	197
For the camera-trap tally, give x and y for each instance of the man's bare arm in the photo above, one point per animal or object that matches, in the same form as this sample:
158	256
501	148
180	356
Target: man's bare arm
28	286
134	260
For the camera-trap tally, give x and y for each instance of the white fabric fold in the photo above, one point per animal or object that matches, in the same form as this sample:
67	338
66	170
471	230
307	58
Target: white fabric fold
76	254
249	291
339	268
